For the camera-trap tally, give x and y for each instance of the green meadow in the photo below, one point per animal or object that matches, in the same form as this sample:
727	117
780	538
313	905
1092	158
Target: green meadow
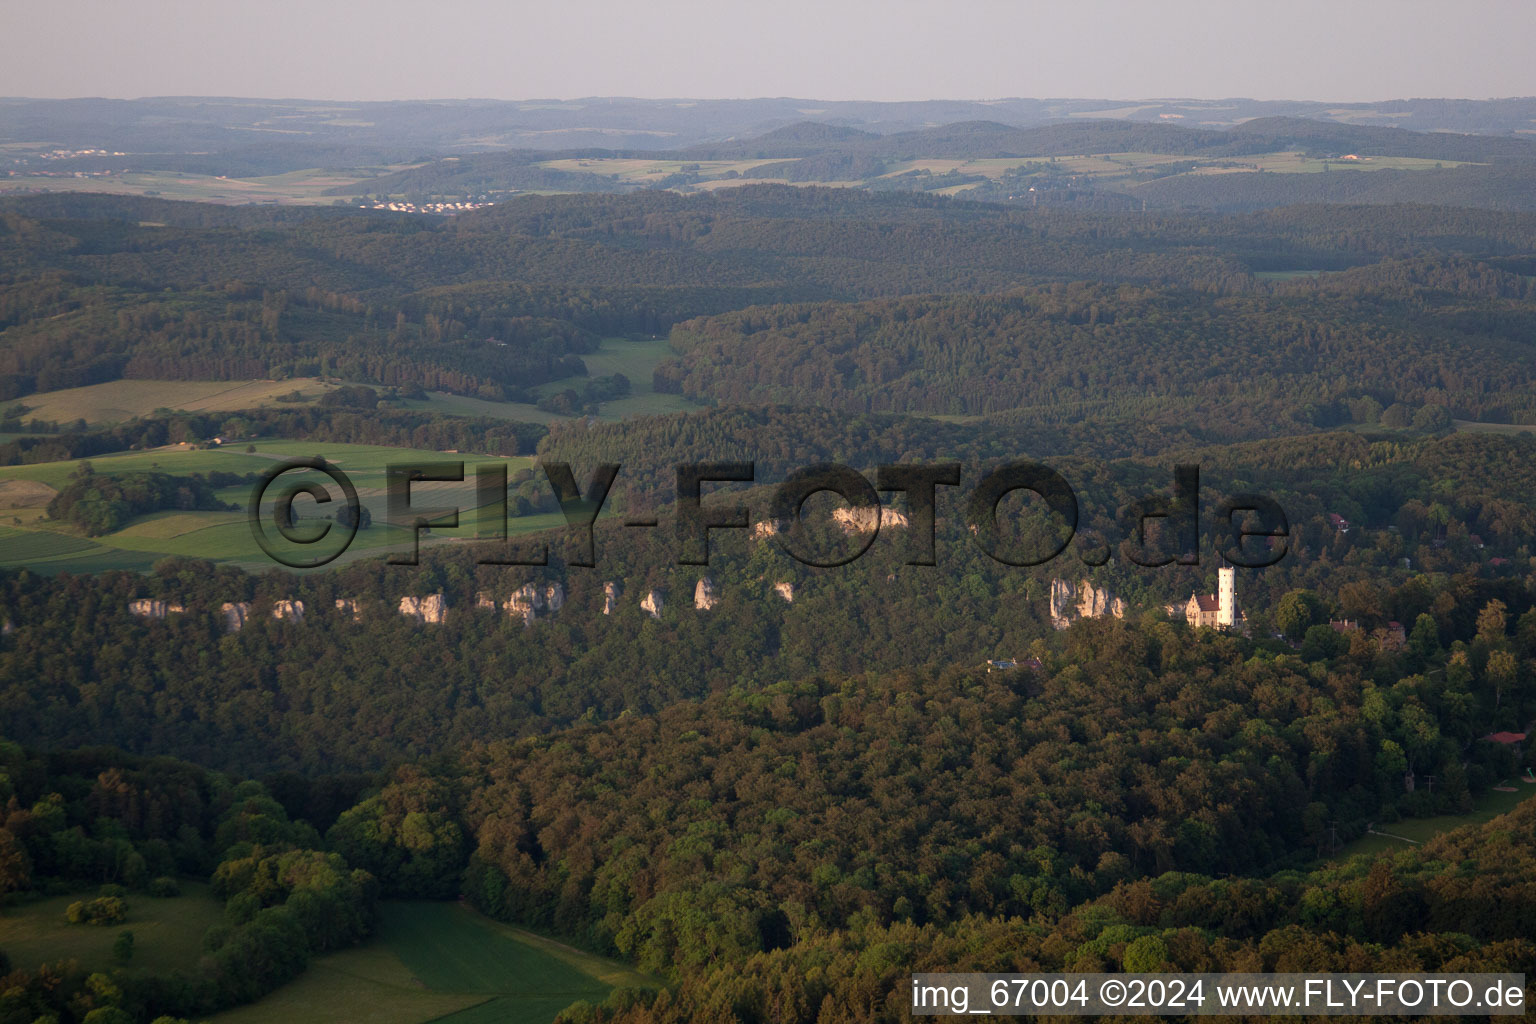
442	962
427	962
167	933
28	538
117	401
1394	837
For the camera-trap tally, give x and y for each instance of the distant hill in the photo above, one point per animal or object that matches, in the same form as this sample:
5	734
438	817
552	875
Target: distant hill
791	140
1509	187
478	173
1367	140
991	139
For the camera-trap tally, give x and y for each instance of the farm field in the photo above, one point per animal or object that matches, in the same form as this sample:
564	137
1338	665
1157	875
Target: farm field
442	962
1104	167
167	933
649	171
28	538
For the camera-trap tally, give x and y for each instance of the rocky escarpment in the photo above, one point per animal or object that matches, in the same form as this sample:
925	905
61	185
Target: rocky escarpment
432	609
235	613
1083	601
291	610
150	608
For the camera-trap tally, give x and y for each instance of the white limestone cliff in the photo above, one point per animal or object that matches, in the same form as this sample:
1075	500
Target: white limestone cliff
150	608
863	520
430	609
1084	601
293	610
235	615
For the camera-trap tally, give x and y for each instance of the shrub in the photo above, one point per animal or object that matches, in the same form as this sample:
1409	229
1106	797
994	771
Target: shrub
164	887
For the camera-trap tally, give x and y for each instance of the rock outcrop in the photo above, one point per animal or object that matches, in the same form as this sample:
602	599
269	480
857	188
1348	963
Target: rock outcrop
610	597
651	604
531	598
863	520
485	601
525	603
767	528
292	610
151	608
235	615
430	609
704	595
786	591
347	606
1084	601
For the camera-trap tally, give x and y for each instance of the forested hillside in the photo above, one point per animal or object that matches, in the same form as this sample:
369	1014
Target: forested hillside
361	684
1447	336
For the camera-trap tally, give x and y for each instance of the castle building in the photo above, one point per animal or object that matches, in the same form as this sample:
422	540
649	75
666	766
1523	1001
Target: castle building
1218	610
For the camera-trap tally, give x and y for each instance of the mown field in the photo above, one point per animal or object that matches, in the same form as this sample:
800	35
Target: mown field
116	401
442	962
28	538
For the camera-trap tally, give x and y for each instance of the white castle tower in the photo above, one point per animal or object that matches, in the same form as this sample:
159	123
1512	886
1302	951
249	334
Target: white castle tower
1226	598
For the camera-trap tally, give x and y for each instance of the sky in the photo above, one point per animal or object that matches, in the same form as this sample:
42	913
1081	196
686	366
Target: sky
1357	50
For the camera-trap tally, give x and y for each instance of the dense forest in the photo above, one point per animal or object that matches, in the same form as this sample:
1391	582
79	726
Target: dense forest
868	823
1447	337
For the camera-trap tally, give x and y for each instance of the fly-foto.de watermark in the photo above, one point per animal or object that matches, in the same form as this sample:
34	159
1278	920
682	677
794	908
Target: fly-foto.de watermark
1249	530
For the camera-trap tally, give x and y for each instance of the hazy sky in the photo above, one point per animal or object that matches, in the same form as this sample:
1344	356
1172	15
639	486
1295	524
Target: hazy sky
824	49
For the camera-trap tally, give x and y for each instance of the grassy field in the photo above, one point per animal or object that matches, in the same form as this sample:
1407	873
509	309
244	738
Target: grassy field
1418	830
368	985
1286	275
167	933
1104	167
650	171
307	187
28	538
428	962
1494	428
120	400
442	962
